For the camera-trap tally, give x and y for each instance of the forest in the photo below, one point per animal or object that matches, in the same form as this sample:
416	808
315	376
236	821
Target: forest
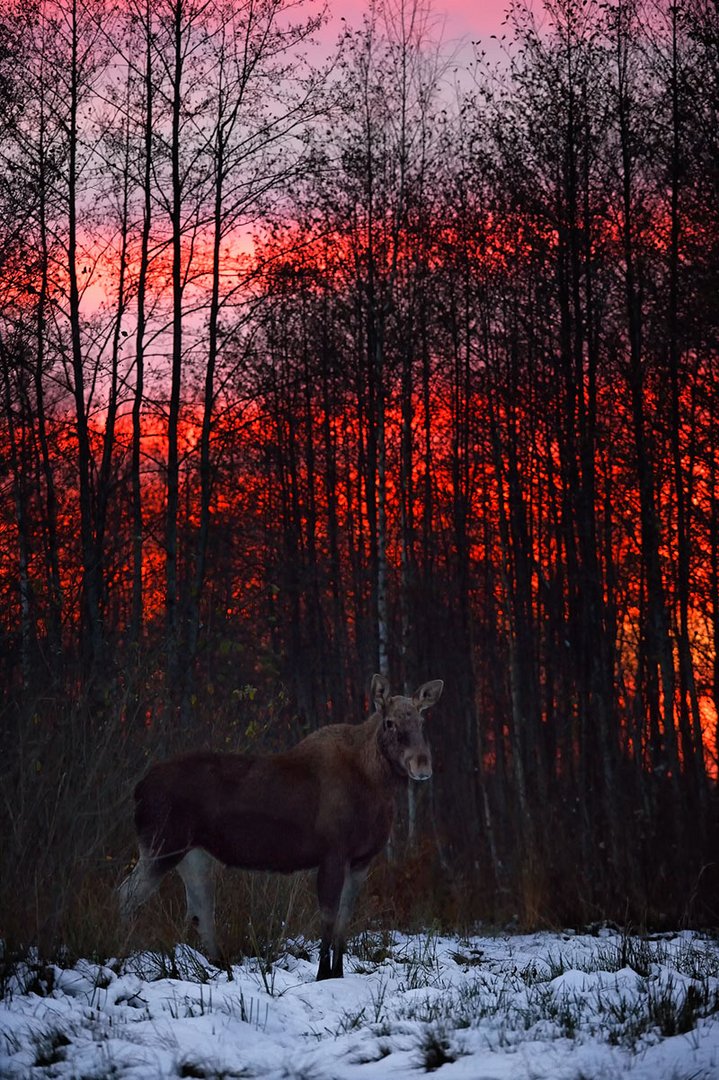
316	362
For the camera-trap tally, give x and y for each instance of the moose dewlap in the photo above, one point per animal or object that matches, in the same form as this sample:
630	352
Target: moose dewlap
326	803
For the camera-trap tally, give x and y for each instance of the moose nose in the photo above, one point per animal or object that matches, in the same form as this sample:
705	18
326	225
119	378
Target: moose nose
420	768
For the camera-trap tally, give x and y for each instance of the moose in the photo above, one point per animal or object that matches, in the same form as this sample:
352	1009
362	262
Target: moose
327	804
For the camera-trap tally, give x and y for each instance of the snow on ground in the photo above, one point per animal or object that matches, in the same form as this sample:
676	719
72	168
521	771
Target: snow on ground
554	1006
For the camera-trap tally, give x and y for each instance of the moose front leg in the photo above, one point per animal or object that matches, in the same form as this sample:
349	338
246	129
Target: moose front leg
331	877
354	880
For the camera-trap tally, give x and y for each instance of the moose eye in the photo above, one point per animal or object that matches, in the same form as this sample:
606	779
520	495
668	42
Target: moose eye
389	725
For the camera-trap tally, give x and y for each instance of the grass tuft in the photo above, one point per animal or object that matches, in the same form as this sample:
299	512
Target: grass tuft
436	1049
50	1048
190	1067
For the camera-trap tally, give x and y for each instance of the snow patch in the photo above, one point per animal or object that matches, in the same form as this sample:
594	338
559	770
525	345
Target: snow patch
540	1006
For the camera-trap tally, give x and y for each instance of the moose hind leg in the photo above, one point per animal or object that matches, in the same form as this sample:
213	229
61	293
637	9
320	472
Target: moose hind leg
197	873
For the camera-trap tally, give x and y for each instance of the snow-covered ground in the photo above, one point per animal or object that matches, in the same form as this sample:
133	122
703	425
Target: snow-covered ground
555	1006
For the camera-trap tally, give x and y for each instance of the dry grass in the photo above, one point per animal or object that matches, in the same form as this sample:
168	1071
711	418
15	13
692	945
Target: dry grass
66	781
66	819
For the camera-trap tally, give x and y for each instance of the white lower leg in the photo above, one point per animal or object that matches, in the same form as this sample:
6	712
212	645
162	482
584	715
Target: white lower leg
138	886
197	873
352	884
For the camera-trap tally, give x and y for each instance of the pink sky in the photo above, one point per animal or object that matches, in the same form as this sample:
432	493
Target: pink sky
468	19
472	19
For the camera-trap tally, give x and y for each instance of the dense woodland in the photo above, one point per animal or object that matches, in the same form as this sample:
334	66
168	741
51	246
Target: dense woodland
313	366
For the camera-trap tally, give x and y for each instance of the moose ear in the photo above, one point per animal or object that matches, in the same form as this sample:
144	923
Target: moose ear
380	693
428	694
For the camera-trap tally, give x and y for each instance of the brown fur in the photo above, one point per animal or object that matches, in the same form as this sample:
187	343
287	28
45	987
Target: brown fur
326	803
